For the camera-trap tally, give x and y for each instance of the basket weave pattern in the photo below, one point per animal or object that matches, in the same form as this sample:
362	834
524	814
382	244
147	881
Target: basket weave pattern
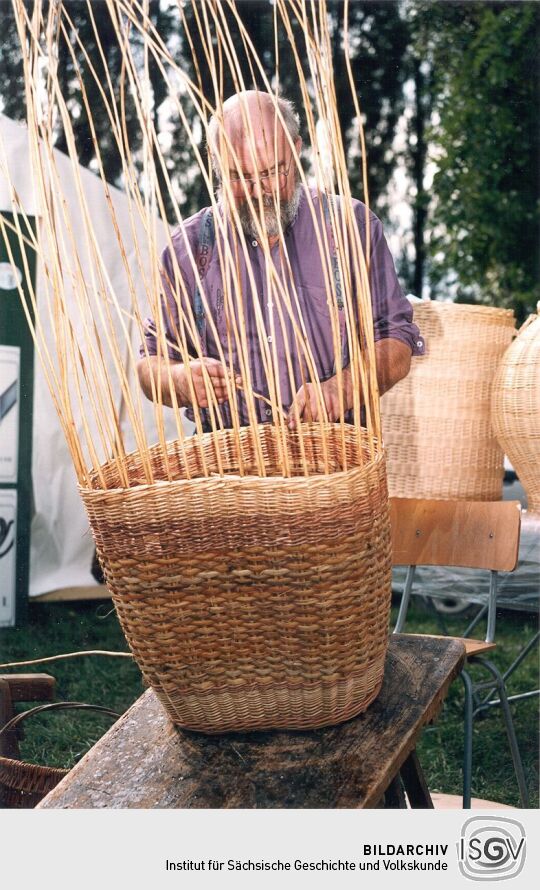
437	421
252	602
24	785
516	408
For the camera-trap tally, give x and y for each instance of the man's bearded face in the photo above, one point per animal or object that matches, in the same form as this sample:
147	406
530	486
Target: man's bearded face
277	217
271	178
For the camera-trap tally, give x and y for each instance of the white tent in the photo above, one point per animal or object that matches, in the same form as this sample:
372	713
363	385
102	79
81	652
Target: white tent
61	543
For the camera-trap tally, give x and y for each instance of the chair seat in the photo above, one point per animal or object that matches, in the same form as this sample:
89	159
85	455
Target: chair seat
472	647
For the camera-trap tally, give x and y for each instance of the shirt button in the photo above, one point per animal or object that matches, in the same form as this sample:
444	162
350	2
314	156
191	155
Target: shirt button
268	412
419	343
254	243
270	339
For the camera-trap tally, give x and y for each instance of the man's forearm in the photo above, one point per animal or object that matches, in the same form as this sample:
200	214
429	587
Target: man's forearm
194	383
156	382
393	360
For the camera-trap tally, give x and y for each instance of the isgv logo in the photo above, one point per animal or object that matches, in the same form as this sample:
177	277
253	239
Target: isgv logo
491	848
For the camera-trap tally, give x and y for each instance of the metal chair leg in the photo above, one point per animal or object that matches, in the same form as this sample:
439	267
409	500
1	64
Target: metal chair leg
515	664
509	725
476	620
405	599
468	739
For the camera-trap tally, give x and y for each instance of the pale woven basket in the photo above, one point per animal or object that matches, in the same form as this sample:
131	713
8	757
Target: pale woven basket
251	602
516	407
437	421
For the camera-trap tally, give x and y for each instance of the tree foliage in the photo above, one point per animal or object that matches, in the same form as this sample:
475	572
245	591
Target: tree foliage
378	42
378	38
485	134
89	57
473	67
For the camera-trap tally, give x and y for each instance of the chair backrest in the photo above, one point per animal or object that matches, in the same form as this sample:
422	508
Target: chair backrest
473	534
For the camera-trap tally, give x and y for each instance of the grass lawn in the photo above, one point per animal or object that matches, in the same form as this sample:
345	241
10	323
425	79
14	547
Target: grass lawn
441	746
61	739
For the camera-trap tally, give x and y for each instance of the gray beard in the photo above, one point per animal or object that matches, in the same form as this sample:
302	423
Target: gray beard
273	223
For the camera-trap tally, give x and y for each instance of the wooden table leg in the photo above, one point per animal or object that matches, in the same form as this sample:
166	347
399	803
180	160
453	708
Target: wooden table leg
8	740
415	784
394	797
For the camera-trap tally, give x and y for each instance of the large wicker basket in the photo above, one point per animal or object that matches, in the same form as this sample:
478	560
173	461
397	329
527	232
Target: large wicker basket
516	407
252	602
437	421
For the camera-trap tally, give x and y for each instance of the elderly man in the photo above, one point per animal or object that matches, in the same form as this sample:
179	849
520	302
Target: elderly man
265	167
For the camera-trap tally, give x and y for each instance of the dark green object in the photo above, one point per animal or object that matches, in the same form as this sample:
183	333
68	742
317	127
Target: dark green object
14	331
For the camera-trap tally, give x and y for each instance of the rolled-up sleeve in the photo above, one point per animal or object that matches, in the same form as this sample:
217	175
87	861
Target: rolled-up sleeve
392	312
169	311
172	296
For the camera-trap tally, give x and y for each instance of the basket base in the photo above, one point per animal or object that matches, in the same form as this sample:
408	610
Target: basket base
292	708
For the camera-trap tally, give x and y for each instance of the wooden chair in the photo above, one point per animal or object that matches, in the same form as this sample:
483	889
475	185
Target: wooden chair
474	535
20	688
17	688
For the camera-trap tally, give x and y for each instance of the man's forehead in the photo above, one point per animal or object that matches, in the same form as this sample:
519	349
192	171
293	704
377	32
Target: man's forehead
264	140
256	121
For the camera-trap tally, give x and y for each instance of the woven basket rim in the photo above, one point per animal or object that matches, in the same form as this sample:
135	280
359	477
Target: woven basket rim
450	305
32	769
229	479
29	779
232	478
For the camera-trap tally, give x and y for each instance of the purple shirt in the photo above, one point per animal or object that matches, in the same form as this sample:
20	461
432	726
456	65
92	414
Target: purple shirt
392	312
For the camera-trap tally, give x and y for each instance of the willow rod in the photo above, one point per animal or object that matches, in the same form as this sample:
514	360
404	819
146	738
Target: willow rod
91	362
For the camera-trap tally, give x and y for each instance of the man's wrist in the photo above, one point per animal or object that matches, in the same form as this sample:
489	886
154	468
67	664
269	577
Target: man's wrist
159	377
346	386
179	384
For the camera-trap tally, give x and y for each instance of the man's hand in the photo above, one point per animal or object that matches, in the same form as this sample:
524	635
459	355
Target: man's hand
305	400
154	374
197	391
393	363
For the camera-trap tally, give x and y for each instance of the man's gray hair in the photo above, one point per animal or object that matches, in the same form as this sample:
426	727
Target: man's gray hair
290	117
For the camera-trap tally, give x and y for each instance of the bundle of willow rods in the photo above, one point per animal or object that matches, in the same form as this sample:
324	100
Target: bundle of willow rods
250	565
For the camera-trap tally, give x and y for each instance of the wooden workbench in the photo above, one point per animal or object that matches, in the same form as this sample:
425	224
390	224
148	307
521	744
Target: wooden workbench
143	761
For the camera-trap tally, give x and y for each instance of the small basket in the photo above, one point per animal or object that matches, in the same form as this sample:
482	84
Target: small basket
249	602
24	785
